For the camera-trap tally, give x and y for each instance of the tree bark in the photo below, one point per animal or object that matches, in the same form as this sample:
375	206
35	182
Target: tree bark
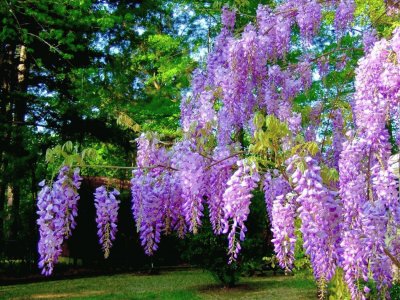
2	212
6	81
96	181
19	151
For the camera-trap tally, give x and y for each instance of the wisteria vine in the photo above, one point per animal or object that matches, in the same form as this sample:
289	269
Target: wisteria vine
342	188
297	187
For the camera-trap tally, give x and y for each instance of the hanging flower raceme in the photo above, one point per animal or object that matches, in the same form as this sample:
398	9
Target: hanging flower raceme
172	202
219	175
241	82
281	211
320	214
197	112
192	177
138	192
274	30
274	186
147	201
377	86
51	230
57	209
283	227
148	208
237	204
365	218
107	207
308	17
368	187
72	197
369	39
344	14
228	17
152	216
367	184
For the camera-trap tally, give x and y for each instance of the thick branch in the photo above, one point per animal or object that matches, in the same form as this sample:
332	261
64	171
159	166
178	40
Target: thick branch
96	181
228	157
395	261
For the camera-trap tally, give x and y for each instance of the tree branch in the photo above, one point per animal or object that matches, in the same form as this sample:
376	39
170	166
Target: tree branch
395	261
228	157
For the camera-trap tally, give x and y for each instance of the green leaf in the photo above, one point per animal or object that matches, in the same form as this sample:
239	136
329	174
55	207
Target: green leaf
68	147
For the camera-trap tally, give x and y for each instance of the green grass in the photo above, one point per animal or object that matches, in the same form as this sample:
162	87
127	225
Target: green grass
191	284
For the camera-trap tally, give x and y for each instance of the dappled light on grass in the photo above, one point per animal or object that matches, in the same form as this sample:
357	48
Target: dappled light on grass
188	284
68	295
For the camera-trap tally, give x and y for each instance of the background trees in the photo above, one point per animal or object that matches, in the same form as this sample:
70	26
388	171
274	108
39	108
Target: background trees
93	72
74	71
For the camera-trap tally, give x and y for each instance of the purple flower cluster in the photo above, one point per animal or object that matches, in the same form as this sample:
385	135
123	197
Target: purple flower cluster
197	112
308	18
274	30
151	222
369	39
149	196
237	204
107	207
367	185
320	214
274	186
237	69
281	212
355	193
280	90
171	194
57	209
283	227
344	14
323	66
51	230
228	17
192	179
219	175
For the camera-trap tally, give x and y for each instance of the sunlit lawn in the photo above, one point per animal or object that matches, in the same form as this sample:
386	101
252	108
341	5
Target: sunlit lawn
190	284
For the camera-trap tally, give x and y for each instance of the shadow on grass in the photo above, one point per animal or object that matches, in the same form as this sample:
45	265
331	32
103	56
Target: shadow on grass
243	286
261	287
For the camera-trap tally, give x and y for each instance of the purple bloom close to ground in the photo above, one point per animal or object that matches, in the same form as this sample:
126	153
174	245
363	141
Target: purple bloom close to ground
106	217
57	209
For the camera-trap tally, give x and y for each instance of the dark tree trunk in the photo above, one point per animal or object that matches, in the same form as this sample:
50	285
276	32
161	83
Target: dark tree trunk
2	204
15	200
20	107
6	81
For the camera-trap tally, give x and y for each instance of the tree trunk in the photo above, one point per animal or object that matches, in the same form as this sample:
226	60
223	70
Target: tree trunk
2	212
6	81
19	171
15	201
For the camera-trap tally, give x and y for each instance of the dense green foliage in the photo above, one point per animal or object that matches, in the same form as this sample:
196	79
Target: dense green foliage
93	72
